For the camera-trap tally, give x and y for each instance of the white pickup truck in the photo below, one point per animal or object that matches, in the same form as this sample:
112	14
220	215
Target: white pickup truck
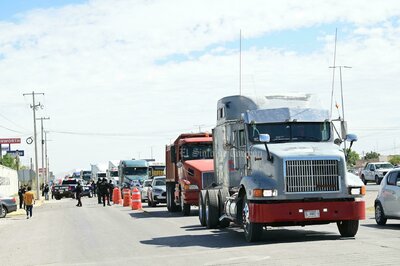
375	172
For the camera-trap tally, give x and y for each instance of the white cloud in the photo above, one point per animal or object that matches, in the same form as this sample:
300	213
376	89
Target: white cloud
96	62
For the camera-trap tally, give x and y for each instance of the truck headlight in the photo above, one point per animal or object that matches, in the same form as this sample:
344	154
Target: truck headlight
357	190
258	193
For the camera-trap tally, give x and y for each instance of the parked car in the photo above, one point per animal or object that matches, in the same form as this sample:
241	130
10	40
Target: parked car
375	172
7	205
387	203
143	190
157	192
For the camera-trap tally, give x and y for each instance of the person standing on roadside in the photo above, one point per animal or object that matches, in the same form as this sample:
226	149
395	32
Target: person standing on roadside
104	192
29	199
98	192
93	188
21	193
110	189
78	191
46	192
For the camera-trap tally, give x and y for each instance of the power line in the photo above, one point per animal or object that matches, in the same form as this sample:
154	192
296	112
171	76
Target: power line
9	120
12	130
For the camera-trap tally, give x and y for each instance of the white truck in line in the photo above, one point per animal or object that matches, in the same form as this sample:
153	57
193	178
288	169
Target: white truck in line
99	170
112	171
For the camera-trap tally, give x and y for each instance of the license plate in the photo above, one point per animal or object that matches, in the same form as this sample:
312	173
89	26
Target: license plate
310	214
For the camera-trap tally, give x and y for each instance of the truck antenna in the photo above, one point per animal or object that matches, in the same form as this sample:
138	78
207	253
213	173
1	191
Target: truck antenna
333	68
240	62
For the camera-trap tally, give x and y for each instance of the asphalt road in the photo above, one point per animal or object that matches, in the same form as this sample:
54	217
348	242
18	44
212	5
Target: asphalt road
62	234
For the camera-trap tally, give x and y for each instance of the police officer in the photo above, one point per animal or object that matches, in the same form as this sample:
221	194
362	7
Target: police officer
104	192
78	191
98	192
110	189
21	193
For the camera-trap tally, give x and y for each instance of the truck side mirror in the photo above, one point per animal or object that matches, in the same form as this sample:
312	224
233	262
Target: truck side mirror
265	138
173	154
351	137
179	164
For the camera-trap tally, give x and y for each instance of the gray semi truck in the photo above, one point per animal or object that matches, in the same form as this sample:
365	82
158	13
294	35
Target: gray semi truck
277	163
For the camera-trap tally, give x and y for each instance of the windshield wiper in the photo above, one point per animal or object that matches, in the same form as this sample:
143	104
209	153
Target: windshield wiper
309	138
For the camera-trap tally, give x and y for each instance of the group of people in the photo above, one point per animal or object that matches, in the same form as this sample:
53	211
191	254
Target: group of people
104	191
26	200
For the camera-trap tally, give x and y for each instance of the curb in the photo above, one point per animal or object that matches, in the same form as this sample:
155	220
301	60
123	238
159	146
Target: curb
22	211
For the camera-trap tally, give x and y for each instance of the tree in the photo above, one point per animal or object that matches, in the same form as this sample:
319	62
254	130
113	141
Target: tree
371	155
395	160
8	161
352	157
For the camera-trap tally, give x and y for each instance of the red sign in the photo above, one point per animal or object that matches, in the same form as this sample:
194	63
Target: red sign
10	141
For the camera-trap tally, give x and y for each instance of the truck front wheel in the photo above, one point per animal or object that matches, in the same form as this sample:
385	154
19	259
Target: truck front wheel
252	231
348	228
377	180
185	207
212	209
171	205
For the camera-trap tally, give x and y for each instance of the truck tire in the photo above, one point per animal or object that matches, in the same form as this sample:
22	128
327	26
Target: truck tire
379	214
212	209
252	231
3	211
185	208
348	228
57	198
377	180
364	180
171	205
223	194
202	207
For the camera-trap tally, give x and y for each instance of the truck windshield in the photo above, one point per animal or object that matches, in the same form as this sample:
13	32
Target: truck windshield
197	151
135	171
291	132
114	173
101	175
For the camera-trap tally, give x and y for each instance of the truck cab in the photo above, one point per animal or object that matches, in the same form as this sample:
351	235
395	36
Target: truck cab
189	168
133	172
276	164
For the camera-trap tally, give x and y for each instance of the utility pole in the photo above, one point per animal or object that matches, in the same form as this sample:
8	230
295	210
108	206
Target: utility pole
44	173
46	157
34	107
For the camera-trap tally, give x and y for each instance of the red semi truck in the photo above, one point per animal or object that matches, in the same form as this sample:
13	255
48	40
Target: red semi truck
189	168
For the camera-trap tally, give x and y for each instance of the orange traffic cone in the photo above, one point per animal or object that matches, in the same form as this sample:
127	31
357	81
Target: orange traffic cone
136	199
126	197
116	196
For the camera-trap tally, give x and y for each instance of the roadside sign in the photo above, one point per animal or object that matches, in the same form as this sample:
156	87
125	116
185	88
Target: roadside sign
14	153
42	170
10	141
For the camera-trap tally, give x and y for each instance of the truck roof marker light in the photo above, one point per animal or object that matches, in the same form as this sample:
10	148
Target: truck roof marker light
300	210
325	210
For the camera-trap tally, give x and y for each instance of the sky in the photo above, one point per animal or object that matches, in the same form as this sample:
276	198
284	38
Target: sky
121	79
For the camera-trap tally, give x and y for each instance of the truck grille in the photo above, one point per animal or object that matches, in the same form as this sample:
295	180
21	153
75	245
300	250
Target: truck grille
312	176
207	179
